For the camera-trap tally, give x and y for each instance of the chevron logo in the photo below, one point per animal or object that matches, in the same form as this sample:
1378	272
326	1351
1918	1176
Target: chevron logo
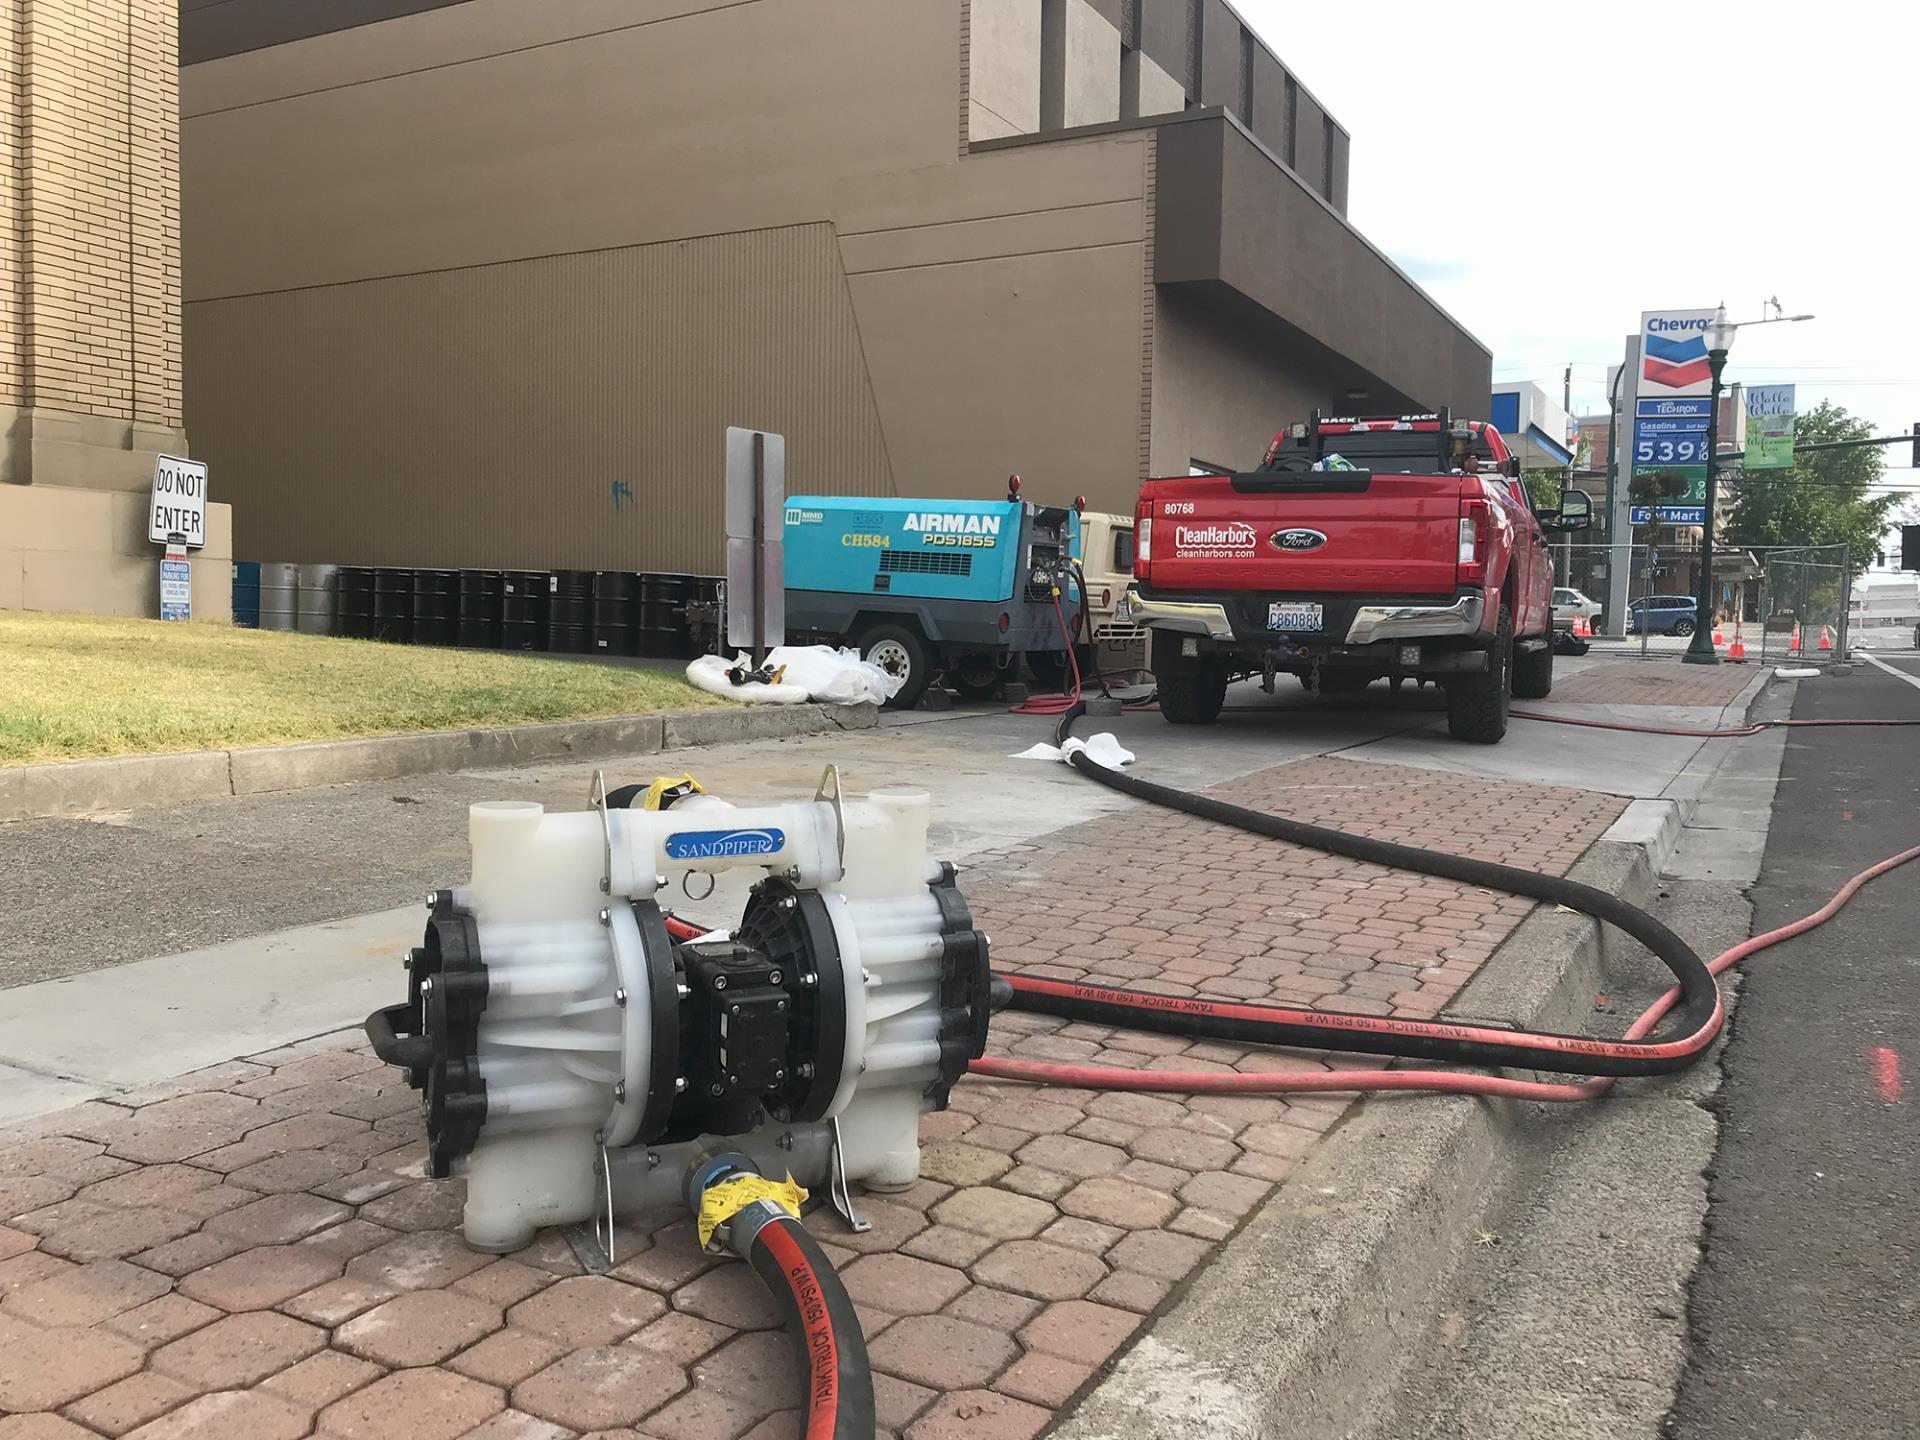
1675	363
1676	352
1676	377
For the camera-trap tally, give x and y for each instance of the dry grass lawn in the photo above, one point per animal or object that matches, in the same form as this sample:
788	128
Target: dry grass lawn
73	687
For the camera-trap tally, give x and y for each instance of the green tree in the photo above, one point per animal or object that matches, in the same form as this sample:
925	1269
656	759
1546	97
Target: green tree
1825	498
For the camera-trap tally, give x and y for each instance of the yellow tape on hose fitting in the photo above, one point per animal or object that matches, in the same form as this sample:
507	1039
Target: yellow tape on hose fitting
729	1197
663	783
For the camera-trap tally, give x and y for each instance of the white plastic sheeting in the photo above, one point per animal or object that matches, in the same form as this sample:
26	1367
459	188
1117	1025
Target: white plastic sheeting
1102	749
813	672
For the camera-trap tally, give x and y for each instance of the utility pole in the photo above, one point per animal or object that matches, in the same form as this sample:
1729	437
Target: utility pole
1700	651
1619	549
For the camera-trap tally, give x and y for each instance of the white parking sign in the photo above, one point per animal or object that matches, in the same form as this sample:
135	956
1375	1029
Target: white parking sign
179	504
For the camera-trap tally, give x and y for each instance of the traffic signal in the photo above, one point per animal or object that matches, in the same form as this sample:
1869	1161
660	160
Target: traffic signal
1916	444
1910	547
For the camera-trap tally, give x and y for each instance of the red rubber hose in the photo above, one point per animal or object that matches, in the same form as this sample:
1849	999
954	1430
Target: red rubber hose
1447	1082
1735	733
801	1281
1060	704
680	930
1057	704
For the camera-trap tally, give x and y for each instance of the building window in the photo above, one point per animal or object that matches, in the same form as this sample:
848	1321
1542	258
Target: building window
1247	47
1292	102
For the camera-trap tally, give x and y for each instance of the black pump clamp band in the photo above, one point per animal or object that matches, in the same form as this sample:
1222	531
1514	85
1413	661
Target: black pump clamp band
663	1013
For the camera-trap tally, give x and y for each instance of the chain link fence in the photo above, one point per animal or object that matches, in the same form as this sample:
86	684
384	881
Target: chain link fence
1802	603
1645	594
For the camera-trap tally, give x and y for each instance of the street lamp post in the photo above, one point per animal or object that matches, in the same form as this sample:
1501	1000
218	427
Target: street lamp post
1700	651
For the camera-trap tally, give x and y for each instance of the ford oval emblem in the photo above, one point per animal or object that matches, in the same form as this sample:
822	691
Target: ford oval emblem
1296	539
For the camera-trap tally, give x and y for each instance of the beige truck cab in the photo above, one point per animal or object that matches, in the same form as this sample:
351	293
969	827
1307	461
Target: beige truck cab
1106	559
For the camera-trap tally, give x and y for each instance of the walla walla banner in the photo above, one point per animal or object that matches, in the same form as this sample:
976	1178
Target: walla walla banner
1769	427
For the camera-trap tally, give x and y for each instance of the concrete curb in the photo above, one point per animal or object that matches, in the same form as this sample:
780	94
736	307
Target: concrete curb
1296	1327
1656	823
1299	1325
82	787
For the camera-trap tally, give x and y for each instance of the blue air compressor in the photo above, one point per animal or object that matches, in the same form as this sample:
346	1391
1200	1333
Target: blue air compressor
923	588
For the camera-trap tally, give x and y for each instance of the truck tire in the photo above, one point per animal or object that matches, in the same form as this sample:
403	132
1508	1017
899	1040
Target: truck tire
976	677
900	652
1533	673
1479	713
1193	699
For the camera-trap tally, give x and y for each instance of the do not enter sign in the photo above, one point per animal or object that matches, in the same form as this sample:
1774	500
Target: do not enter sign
179	504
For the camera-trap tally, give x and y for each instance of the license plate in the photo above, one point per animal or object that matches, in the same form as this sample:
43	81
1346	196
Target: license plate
1288	615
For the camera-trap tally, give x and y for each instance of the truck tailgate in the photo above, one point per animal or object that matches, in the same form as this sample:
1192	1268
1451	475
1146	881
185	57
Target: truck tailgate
1321	531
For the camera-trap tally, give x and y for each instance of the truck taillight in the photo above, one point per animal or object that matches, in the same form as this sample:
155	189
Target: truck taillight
1142	545
1470	562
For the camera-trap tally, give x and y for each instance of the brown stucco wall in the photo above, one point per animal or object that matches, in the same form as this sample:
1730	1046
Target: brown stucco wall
470	322
1227	375
482	283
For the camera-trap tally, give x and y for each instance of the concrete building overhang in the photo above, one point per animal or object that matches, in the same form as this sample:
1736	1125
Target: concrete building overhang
1234	224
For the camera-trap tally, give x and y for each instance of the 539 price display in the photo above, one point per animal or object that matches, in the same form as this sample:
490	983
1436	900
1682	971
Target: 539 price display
1670	450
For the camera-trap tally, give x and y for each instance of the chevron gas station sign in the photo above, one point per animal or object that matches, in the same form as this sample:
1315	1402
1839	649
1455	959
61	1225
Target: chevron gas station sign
1673	414
1673	354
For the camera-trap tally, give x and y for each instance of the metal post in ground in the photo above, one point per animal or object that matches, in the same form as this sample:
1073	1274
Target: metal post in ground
1719	338
1645	563
1800	609
1846	602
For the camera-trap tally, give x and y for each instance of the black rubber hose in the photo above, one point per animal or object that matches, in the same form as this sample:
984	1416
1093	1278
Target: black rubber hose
820	1317
1699	1015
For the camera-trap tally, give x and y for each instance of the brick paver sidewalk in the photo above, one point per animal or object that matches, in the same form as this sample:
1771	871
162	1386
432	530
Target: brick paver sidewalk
249	1253
1654	682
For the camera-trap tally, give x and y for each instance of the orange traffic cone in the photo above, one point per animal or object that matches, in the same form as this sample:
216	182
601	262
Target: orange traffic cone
1582	627
1826	638
1793	645
1719	635
1737	652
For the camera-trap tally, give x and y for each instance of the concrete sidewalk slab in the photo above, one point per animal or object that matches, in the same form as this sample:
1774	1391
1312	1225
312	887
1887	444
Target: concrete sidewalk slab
117	1029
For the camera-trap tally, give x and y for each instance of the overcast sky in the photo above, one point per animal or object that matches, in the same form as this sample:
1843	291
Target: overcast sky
1547	172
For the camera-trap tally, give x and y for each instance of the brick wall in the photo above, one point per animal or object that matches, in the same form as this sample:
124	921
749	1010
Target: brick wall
90	209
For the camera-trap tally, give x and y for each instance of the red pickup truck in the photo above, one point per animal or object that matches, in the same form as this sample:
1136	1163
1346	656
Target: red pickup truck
1361	548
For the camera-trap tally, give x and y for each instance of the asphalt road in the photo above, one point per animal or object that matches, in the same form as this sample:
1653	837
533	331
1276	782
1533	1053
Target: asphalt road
1805	1314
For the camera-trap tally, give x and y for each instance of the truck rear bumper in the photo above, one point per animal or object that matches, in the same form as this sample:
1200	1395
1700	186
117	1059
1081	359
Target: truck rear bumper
1369	623
1180	616
1416	622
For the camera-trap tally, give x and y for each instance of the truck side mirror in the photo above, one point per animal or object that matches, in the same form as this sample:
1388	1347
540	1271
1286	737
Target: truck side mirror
1513	466
1575	513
